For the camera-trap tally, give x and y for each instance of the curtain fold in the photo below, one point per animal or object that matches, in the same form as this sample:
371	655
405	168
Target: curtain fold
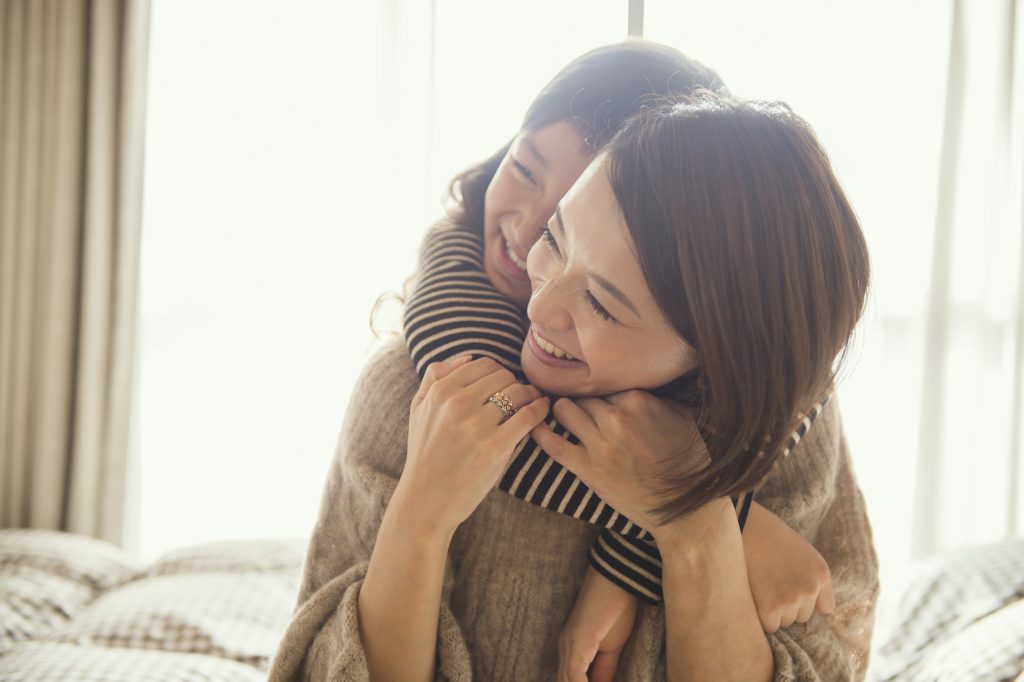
72	111
968	482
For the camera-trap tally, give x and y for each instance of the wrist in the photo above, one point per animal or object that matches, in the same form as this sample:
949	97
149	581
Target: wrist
696	533
409	518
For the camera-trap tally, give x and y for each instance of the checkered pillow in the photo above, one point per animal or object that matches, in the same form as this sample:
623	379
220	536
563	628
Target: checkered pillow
231	600
961	618
47	577
280	556
58	662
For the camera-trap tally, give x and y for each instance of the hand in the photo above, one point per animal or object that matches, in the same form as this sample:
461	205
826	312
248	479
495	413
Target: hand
597	630
459	443
789	579
627	441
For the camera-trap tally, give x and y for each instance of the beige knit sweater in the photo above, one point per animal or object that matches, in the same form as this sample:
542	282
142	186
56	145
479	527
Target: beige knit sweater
514	569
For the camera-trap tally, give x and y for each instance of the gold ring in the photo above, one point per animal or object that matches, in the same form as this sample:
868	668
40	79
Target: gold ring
502	401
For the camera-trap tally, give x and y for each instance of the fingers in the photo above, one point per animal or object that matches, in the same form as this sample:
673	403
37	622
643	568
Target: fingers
787	618
571	456
770	621
826	603
573	417
575	665
805	611
520	395
604	666
571	667
437	371
469	373
526	417
489	384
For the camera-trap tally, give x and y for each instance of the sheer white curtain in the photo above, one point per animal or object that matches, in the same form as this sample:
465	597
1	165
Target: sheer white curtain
296	152
919	106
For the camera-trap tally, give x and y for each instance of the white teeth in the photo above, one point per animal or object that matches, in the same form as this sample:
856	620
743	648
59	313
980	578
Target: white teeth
521	264
550	347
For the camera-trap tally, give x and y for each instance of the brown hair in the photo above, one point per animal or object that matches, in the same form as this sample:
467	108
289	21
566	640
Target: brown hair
598	91
756	258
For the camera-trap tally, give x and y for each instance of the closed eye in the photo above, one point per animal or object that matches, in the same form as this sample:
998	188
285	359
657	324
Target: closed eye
523	170
549	239
598	308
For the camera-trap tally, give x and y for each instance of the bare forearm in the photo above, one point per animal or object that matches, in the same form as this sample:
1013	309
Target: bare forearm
712	628
400	598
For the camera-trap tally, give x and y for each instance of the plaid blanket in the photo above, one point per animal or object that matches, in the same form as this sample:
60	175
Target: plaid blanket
961	618
74	608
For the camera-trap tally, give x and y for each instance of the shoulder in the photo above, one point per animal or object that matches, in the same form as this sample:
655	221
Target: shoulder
376	425
388	373
446	239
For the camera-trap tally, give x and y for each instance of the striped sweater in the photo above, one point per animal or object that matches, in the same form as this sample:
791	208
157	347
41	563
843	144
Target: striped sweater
454	309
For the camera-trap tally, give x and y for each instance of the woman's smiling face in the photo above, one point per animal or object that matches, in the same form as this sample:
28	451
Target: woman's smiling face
538	170
595	326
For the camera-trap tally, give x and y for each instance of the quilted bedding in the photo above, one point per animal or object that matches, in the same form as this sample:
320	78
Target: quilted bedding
75	608
960	618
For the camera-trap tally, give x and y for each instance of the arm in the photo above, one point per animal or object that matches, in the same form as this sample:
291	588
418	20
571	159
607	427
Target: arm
458	446
323	640
404	579
814	492
712	630
789	578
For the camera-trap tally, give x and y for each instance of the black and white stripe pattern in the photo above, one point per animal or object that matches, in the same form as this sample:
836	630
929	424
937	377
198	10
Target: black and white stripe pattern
454	309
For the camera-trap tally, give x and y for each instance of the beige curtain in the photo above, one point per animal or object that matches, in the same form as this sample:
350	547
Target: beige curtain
72	105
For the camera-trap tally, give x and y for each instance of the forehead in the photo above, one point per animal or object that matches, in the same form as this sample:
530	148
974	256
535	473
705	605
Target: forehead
599	237
559	144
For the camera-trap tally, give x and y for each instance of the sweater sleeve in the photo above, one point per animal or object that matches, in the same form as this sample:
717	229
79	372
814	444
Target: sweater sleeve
454	309
322	641
815	491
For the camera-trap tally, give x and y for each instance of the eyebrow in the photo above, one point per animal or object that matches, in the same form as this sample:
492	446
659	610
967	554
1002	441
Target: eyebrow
605	284
536	153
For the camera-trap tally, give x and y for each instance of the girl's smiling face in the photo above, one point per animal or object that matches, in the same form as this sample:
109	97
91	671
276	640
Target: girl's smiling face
595	326
535	174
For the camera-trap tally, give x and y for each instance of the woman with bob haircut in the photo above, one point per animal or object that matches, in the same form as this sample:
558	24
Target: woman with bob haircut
707	255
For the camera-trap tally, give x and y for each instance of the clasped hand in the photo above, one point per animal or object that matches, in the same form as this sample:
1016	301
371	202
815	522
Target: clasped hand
628	441
459	442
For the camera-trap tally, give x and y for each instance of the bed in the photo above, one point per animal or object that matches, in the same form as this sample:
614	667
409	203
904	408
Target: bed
75	608
959	616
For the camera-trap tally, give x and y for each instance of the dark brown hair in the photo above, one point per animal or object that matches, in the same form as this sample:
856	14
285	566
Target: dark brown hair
598	91
755	257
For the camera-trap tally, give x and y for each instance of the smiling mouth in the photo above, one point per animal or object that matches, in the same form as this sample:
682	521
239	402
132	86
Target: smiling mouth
549	347
516	260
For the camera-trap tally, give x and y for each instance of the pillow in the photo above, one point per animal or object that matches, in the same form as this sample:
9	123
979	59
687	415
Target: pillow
46	577
284	555
91	562
232	600
57	662
959	609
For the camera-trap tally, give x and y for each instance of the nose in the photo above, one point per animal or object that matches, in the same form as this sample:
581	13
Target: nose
547	305
525	234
